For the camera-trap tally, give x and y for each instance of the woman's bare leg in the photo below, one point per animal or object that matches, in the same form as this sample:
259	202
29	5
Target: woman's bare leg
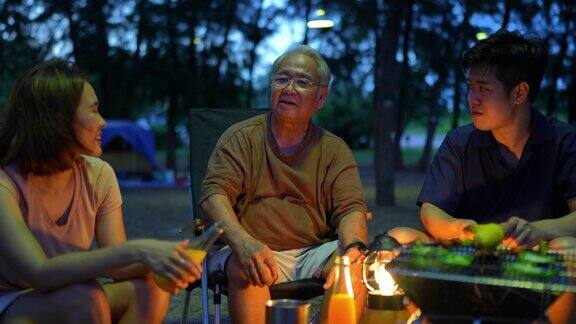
78	303
137	301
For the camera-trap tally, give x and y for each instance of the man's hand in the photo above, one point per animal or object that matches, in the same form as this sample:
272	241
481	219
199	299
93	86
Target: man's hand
519	232
356	258
258	263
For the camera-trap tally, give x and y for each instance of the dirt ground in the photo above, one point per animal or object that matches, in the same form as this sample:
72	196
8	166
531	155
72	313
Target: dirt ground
160	212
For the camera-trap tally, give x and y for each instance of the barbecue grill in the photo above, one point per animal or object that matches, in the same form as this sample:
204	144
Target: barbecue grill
489	287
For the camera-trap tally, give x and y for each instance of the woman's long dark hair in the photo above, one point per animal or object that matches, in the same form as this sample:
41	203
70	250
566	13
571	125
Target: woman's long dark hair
36	132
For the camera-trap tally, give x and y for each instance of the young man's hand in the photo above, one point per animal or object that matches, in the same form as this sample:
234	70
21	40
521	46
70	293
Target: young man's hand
463	229
519	232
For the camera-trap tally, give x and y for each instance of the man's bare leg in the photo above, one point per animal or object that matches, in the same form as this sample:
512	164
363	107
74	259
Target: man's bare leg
246	302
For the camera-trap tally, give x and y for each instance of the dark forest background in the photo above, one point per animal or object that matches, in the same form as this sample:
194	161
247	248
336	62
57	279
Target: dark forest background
395	62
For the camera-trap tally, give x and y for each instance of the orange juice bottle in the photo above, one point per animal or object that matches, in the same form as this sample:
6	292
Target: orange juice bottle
339	304
197	251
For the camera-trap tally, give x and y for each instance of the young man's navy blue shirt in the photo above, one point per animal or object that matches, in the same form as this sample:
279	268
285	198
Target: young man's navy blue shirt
470	176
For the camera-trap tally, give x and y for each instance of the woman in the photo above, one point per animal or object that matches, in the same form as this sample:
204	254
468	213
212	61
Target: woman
56	196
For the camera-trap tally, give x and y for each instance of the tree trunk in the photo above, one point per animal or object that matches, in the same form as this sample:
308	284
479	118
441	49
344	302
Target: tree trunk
385	80
192	79
572	95
433	118
506	15
557	68
555	74
404	111
73	32
102	56
456	100
250	93
221	50
457	36
256	39
174	90
306	17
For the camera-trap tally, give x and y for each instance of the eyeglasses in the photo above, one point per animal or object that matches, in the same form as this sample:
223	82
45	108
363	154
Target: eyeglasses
300	84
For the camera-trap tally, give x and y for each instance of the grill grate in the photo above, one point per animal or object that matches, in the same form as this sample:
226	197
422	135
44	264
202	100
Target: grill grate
557	276
485	287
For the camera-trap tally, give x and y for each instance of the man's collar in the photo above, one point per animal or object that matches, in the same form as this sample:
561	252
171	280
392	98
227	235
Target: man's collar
539	124
482	138
542	131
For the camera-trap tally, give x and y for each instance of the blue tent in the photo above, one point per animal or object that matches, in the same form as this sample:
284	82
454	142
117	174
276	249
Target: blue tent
137	143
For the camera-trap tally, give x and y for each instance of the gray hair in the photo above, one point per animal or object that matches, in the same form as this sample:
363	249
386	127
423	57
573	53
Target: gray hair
324	73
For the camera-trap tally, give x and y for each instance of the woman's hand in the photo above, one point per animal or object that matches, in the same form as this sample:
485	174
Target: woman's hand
168	260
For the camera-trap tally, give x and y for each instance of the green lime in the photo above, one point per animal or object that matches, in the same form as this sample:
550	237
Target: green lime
488	236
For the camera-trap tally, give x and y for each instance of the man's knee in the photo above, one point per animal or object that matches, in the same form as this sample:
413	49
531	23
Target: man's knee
235	273
407	235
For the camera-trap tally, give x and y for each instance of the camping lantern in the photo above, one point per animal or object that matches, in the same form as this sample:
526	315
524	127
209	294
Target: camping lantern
386	302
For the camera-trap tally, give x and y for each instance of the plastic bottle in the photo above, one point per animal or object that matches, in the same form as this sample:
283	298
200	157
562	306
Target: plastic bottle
197	251
339	304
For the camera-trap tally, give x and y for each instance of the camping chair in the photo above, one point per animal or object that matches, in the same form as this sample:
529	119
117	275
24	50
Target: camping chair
206	126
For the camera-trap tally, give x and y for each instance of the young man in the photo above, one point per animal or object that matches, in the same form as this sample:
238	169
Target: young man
513	165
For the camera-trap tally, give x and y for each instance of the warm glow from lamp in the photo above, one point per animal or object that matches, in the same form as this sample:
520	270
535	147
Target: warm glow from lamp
320	12
386	284
481	35
320	23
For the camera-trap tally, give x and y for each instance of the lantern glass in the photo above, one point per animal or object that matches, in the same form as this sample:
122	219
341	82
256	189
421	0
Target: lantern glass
375	275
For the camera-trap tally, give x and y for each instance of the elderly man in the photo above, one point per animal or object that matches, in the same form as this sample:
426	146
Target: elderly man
283	186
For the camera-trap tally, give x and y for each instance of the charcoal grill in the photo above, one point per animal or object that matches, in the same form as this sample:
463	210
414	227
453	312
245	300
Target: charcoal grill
483	289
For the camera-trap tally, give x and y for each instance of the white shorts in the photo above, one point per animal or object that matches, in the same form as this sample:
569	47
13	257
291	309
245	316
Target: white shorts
8	298
292	265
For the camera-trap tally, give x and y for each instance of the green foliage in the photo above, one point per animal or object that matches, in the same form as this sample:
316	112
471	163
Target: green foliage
411	156
347	114
148	55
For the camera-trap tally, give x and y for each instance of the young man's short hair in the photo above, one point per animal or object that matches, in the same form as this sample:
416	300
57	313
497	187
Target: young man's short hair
514	58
